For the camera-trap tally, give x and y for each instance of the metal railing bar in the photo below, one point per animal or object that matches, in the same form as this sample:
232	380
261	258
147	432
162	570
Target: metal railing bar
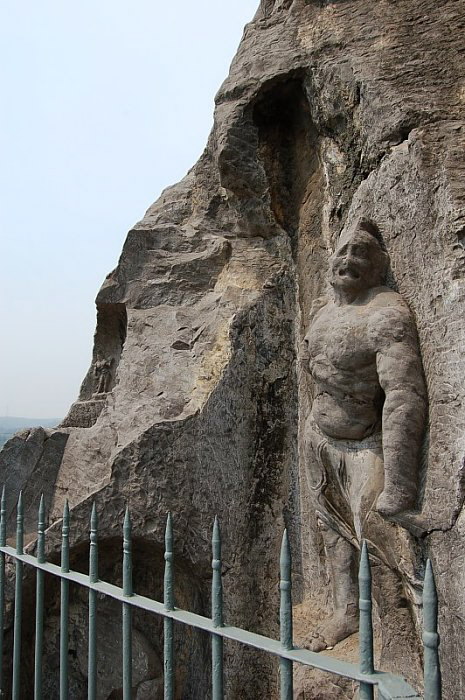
40	581
258	641
168	599
285	617
2	580
16	680
127	609
217	615
366	623
395	687
64	606
93	576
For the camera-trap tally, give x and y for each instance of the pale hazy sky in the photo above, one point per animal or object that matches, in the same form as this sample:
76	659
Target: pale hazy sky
103	103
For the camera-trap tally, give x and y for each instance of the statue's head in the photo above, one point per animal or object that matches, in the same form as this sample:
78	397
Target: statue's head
359	262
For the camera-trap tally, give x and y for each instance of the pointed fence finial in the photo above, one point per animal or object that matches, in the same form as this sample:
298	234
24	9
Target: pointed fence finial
217	584
41	508
285	558
432	669
285	586
127	524
65	539
94	517
127	554
41	531
168	595
93	548
3	518
19	525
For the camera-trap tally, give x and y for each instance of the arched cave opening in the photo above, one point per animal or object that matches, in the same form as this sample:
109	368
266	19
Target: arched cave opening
100	379
109	339
287	148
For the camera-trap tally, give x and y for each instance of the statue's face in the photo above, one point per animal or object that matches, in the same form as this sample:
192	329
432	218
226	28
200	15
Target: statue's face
359	263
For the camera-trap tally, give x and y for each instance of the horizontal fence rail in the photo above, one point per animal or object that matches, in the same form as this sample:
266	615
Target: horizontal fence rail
389	686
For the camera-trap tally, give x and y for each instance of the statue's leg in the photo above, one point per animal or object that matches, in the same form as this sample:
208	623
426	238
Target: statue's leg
400	643
393	557
340	562
326	478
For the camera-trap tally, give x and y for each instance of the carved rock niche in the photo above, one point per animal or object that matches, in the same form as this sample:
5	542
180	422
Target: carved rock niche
100	379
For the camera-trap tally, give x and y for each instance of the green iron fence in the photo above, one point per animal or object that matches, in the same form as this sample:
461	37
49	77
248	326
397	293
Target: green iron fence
389	686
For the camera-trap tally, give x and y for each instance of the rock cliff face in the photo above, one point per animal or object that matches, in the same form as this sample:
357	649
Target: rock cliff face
331	111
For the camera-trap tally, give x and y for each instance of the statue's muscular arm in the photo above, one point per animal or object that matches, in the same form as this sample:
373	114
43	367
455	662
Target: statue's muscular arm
400	375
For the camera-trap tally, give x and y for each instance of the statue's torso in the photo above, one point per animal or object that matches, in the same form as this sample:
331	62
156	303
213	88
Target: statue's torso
341	346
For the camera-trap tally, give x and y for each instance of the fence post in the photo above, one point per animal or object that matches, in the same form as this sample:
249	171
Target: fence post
168	598
127	611
366	624
217	614
285	617
15	694
432	670
93	578
39	602
2	582
64	608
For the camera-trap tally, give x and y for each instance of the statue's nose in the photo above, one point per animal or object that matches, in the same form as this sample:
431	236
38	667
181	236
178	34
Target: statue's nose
346	258
349	256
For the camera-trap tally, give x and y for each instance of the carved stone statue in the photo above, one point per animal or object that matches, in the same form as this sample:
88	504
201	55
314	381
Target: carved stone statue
365	429
102	374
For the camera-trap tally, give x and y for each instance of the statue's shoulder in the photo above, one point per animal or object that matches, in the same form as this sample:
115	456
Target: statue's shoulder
390	317
384	298
318	305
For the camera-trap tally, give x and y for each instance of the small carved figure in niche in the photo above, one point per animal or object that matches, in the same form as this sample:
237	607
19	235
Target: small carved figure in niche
102	374
364	433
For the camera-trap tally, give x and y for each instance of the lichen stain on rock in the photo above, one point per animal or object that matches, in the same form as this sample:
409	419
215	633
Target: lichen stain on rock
213	364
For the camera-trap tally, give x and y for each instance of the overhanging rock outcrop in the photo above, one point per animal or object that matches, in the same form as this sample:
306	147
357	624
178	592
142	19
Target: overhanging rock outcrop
331	111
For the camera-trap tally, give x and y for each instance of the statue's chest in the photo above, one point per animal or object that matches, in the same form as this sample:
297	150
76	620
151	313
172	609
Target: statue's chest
340	337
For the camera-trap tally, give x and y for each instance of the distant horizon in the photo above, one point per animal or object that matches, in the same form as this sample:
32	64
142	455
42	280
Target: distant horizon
18	420
89	139
10	425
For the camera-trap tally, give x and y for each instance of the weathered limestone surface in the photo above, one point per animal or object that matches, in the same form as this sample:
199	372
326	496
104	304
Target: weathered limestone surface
331	111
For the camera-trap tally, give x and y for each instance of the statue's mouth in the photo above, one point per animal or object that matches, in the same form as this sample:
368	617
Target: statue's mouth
349	272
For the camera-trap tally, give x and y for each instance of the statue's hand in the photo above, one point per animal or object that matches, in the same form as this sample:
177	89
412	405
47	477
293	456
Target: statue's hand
392	501
406	517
